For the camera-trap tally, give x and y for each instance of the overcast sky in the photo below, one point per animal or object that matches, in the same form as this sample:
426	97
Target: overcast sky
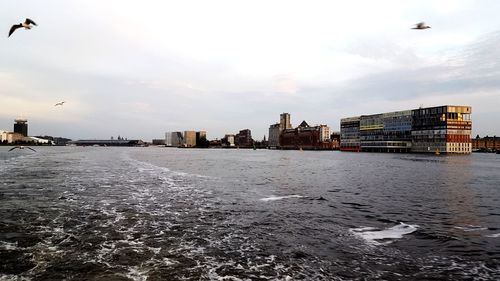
141	68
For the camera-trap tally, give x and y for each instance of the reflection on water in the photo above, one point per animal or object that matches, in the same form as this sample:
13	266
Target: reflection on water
186	214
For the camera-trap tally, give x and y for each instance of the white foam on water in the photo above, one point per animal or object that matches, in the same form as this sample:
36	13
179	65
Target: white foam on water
470	228
136	274
371	235
8	246
274	198
495	235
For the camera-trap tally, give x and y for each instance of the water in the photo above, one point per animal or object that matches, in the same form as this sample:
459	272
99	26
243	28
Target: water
95	213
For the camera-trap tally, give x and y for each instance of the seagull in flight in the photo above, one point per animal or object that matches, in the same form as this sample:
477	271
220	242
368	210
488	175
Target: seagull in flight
27	24
421	25
22	147
59	103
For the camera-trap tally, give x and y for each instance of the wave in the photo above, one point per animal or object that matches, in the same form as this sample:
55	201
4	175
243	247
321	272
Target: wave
373	234
470	228
495	235
274	198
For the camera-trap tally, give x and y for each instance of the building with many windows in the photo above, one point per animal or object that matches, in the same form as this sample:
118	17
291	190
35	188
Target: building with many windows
244	138
306	137
441	129
386	132
189	139
21	126
486	144
276	129
177	139
349	134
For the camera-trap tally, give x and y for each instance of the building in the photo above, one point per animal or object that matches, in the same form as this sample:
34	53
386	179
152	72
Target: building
2	136
244	138
38	140
285	121
335	139
189	139
118	142
386	132
486	144
306	137
274	135
168	139
11	137
228	141
177	139
442	129
276	129
201	139
158	141
349	134
21	126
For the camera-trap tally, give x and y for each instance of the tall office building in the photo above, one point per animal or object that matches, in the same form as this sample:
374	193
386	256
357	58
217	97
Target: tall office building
441	129
189	138
168	139
177	139
21	126
274	135
349	134
285	121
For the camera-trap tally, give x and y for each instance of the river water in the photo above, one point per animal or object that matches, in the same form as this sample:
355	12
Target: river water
101	213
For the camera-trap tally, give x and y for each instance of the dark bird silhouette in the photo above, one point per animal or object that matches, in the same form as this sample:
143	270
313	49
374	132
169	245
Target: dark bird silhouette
421	25
59	103
22	147
27	24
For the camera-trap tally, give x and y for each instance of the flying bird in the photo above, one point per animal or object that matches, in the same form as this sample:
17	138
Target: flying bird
421	25
27	24
22	147
59	103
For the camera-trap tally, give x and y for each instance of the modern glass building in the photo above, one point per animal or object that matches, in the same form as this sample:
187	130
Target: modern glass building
441	129
349	134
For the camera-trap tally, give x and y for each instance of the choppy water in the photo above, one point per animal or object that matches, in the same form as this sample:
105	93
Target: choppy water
184	214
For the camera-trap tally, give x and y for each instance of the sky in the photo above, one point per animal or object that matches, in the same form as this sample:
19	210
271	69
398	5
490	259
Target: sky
138	69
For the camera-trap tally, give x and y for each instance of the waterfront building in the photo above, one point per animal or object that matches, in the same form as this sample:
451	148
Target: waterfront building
38	140
189	139
228	141
117	142
335	139
285	121
177	139
274	135
158	141
486	144
168	139
441	129
11	137
349	134
306	137
21	126
386	132
244	138
276	129
201	139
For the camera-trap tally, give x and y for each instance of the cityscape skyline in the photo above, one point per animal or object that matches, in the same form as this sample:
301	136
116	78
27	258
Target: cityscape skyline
214	67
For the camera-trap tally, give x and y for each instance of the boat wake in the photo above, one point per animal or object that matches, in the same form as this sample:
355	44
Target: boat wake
378	236
275	198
